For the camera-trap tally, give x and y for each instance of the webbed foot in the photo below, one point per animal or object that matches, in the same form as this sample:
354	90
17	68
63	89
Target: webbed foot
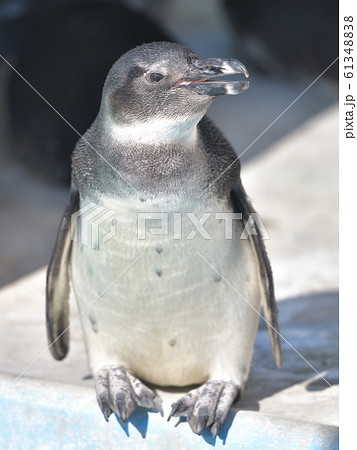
120	392
206	406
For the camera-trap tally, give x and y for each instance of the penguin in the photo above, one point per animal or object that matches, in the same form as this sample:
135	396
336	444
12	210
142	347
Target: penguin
168	285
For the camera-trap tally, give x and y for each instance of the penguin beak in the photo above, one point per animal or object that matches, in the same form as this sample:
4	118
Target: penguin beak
198	77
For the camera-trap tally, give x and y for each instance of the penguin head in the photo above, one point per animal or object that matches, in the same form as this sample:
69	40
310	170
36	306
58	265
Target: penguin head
166	85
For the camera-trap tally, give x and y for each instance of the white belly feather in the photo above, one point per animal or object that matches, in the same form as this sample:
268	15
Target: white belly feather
168	317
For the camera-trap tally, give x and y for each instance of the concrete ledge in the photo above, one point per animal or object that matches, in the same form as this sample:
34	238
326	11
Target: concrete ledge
46	415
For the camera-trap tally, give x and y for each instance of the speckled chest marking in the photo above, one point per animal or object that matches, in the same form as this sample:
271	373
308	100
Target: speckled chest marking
168	313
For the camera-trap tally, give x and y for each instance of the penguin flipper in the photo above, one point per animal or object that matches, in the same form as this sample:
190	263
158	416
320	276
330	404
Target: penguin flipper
57	283
241	204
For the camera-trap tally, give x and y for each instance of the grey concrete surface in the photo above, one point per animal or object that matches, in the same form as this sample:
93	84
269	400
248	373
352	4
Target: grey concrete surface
65	416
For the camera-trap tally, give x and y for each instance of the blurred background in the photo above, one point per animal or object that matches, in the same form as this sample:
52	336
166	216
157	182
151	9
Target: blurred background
285	126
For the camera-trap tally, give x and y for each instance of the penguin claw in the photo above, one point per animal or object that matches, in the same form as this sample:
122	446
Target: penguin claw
200	425
215	428
174	409
120	412
120	392
179	409
106	411
206	406
183	407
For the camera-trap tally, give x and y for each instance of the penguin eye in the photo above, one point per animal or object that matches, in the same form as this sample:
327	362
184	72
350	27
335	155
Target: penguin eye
155	77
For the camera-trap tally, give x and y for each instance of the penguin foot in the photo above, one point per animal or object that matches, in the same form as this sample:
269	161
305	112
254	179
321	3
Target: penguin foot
120	392
206	406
